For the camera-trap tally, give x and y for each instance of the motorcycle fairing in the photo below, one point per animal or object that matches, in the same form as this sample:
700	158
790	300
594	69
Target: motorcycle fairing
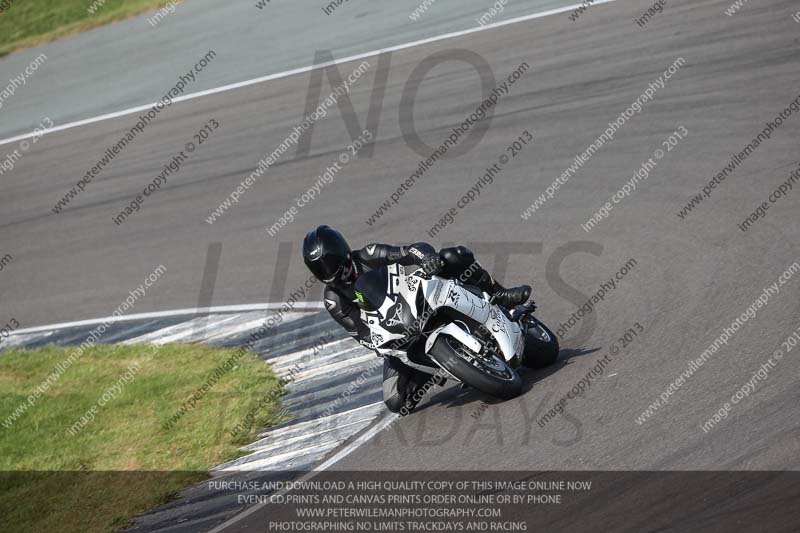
396	315
449	293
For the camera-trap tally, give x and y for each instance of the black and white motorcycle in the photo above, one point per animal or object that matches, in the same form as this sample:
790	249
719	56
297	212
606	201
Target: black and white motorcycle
448	329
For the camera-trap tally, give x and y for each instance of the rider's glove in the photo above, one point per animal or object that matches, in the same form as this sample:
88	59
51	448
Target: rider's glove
427	258
431	264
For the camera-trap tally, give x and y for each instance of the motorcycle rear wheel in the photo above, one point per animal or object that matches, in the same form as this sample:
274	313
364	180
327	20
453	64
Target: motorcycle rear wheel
541	345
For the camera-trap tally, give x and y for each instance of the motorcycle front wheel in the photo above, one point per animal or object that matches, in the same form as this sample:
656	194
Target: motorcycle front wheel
492	376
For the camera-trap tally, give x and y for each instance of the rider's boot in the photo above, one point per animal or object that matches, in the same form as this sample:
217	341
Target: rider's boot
502	296
513	296
416	387
403	386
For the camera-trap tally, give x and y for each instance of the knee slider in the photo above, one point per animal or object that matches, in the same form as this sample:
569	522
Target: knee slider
394	404
465	253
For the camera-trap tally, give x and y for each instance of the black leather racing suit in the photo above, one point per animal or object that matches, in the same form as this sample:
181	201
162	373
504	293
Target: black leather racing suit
399	380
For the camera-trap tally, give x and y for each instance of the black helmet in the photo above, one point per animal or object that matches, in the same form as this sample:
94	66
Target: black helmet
326	253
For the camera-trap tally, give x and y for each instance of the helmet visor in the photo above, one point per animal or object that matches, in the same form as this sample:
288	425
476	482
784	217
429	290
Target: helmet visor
327	268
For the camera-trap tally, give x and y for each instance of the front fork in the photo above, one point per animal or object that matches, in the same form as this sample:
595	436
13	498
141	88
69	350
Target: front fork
490	347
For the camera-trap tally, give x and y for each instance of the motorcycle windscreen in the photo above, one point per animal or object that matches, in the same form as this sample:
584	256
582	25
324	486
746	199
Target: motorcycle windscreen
371	289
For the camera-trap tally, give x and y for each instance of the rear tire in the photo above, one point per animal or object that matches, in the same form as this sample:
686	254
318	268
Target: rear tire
539	351
445	351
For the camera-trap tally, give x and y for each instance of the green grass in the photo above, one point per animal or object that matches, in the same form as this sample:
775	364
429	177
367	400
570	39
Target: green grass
27	23
124	461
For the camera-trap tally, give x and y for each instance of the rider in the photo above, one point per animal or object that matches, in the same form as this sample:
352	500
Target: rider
328	256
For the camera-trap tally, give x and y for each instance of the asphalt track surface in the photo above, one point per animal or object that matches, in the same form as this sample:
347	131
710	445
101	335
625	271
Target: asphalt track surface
90	74
692	278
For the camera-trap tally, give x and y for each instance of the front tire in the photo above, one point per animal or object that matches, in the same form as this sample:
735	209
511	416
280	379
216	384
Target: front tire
494	377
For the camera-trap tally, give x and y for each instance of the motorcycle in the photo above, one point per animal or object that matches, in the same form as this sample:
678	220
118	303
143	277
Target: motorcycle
452	330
